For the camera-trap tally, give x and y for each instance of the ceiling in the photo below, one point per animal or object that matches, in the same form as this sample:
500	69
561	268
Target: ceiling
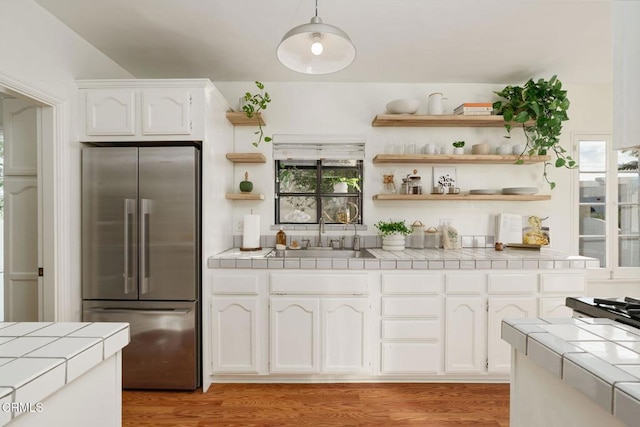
444	41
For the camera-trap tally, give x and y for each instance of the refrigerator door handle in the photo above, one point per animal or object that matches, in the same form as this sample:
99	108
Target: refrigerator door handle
129	270
140	311
145	211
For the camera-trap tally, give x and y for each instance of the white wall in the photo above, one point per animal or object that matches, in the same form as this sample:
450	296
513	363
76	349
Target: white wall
39	51
347	108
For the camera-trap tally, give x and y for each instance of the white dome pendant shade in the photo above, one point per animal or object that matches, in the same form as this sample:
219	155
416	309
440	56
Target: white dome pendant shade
316	48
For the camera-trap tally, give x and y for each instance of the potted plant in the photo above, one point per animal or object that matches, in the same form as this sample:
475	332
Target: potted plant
458	147
254	104
539	108
393	234
341	184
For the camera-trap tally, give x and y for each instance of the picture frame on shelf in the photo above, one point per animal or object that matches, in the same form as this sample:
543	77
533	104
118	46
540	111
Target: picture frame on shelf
444	177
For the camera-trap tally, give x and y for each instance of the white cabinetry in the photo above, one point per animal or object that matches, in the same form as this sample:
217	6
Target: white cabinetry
554	288
319	324
411	323
301	325
238	311
143	110
511	295
466	323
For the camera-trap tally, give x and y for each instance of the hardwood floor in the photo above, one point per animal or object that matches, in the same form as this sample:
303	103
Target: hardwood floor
319	405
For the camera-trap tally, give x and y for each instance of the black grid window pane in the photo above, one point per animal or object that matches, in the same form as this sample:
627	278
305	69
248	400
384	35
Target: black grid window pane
307	190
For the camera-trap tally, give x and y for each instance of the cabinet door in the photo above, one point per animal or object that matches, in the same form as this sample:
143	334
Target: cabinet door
345	335
110	112
234	333
466	334
295	335
499	352
554	307
166	112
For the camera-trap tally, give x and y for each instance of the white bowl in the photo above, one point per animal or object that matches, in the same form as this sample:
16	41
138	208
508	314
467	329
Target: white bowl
504	149
403	106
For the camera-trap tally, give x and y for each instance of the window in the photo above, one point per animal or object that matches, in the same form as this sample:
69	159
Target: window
609	205
318	177
307	190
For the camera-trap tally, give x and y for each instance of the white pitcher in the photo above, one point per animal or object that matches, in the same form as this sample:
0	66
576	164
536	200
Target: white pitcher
435	106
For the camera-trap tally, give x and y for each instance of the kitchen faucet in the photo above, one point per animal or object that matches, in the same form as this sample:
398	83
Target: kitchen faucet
320	231
356	238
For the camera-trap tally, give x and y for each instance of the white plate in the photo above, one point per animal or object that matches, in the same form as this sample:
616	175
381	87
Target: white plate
483	191
520	190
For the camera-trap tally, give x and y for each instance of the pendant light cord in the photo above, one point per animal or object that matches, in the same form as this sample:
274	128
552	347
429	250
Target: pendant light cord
316	8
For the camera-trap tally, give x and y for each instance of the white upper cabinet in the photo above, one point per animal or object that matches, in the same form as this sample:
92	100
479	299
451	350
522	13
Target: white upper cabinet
166	112
110	112
143	110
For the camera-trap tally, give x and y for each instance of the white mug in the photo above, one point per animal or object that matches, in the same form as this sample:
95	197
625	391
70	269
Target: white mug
434	105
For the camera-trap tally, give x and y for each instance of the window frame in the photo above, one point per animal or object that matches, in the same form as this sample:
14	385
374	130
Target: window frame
318	194
611	270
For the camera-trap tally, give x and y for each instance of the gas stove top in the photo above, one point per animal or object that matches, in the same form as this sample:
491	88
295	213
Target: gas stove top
624	310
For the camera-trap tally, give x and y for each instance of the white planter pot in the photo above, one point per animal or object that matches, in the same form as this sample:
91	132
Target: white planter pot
340	187
393	242
458	150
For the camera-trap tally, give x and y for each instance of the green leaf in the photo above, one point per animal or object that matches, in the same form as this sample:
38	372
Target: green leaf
560	162
522	117
552	185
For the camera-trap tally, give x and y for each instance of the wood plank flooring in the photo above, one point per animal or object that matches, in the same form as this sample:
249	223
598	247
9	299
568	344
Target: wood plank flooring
320	405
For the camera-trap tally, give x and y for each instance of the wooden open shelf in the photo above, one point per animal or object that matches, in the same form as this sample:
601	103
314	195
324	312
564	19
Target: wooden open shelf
239	118
500	197
457	158
413	120
245	196
246	157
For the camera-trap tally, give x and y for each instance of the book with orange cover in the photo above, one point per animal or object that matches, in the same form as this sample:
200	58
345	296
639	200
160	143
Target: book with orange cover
475	104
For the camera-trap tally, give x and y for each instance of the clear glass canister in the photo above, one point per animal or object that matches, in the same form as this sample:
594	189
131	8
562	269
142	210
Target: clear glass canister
417	235
432	238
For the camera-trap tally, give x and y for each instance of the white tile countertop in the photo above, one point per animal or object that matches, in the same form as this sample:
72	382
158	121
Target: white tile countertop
411	259
599	358
39	358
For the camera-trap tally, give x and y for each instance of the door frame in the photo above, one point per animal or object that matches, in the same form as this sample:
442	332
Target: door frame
57	300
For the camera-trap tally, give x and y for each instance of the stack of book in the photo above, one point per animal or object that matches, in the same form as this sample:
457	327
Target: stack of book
474	109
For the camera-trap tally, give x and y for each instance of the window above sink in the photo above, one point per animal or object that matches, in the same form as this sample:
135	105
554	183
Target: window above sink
318	177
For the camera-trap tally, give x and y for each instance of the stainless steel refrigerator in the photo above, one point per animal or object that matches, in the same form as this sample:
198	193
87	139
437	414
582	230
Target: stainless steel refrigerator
141	257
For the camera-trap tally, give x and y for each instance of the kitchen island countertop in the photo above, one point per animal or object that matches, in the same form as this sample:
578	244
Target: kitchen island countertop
411	259
41	359
561	363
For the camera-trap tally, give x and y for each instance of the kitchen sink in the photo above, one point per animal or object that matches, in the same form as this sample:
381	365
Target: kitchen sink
319	253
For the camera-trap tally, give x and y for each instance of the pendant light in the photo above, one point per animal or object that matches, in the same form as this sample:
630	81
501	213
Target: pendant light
316	48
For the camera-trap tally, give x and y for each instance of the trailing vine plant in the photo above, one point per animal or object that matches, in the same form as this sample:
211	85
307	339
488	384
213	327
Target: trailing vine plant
539	108
254	104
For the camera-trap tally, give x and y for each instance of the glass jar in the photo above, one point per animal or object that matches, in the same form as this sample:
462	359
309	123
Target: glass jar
416	238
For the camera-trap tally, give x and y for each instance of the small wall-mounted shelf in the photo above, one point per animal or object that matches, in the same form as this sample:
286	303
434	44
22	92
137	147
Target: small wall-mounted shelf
244	196
246	157
239	118
457	158
413	120
500	197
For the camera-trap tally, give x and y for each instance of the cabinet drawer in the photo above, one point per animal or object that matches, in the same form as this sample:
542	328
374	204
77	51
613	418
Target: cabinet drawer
411	329
406	358
512	284
247	285
426	283
464	284
570	283
412	306
334	284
